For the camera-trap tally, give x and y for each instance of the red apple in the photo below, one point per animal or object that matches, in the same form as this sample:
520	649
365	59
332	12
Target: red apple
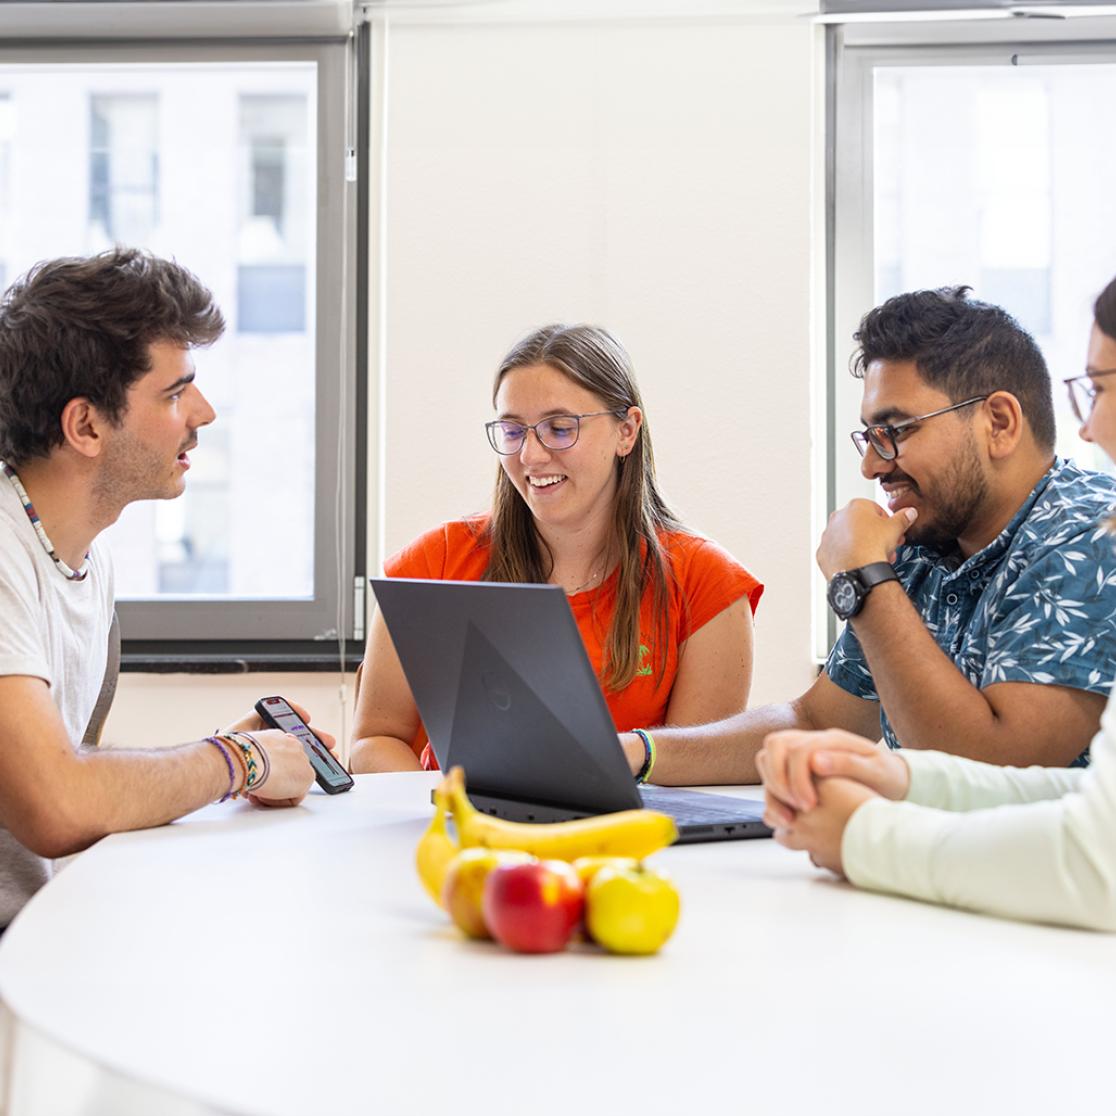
533	908
464	886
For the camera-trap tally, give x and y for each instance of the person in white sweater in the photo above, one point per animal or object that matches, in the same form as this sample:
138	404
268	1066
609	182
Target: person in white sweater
1029	843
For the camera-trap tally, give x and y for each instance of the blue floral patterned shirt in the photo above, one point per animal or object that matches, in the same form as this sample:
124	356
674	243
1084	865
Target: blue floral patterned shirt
1038	604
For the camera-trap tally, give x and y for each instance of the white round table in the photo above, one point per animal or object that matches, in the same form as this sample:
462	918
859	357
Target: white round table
288	963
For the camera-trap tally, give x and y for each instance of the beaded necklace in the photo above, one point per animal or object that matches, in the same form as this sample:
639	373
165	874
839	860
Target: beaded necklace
48	546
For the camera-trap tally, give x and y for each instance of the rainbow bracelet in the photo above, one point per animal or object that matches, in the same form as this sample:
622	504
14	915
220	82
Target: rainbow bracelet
648	755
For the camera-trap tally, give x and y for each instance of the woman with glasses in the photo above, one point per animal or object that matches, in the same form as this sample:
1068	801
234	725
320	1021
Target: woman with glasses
665	614
1031	843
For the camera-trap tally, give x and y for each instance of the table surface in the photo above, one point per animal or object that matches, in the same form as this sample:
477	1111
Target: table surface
289	962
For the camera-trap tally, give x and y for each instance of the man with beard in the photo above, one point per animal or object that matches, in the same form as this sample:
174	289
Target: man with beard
980	613
98	407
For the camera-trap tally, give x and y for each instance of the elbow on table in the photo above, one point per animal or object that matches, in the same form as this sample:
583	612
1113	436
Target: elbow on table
51	830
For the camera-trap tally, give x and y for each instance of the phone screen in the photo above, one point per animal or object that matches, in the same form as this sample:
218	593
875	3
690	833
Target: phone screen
325	766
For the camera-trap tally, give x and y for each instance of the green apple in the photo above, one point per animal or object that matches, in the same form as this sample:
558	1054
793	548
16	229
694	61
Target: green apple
631	909
463	890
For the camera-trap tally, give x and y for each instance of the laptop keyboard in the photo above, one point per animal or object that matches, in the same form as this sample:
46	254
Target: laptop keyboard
691	807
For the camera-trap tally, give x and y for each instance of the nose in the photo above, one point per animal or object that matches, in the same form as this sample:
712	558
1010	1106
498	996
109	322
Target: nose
532	449
1085	434
873	466
204	412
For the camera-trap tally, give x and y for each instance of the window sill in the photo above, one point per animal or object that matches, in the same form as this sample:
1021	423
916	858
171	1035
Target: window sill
203	657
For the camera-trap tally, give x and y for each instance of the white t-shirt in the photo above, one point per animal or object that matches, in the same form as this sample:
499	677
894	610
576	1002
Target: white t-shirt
50	628
1034	843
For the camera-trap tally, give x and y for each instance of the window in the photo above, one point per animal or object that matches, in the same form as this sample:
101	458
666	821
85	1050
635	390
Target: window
123	168
952	165
271	277
980	173
214	156
7	122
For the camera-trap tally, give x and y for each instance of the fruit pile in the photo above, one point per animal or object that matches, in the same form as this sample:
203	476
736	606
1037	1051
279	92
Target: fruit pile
534	887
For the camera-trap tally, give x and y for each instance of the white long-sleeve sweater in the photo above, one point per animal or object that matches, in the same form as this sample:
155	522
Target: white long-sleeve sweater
1032	843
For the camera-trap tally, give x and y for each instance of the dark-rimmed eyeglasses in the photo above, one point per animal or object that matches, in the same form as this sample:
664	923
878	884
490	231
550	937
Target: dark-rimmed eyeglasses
884	437
1082	393
559	432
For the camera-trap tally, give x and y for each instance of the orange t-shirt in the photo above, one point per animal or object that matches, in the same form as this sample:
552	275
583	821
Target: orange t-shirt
705	581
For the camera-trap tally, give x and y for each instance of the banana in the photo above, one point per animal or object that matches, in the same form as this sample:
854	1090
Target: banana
635	833
436	848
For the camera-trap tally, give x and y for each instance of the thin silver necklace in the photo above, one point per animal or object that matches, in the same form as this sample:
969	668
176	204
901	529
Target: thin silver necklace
597	573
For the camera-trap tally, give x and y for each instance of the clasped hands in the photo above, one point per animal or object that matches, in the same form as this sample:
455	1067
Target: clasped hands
815	781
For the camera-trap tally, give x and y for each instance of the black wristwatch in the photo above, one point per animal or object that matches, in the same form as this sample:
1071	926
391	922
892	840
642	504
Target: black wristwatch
849	588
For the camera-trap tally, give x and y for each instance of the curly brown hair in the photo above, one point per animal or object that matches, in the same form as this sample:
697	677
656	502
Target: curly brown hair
83	327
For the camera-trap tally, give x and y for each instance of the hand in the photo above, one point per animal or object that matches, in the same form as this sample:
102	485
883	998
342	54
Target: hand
252	722
821	830
291	774
791	762
861	533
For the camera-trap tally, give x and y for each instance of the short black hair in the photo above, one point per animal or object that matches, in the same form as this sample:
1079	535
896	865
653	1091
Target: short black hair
1104	310
83	326
962	347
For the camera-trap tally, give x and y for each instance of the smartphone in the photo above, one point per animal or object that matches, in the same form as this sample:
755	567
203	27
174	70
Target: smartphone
331	776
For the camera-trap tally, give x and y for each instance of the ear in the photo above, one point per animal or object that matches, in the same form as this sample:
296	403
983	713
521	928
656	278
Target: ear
83	427
1004	424
629	430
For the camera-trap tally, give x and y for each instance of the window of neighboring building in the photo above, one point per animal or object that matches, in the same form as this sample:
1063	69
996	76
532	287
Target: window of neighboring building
213	156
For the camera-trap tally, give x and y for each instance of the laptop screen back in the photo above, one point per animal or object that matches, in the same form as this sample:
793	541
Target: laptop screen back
506	691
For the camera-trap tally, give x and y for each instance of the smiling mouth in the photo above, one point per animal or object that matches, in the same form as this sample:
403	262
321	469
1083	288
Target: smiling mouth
548	481
900	494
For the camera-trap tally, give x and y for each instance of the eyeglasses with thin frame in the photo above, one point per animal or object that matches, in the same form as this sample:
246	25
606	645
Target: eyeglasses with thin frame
558	432
884	437
1082	393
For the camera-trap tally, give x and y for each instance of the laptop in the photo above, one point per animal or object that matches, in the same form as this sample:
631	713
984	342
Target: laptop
506	691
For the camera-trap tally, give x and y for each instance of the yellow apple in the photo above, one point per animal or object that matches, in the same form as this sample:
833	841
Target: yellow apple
631	909
588	866
463	890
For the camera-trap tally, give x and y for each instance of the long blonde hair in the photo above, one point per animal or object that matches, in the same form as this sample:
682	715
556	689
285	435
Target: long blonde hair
592	357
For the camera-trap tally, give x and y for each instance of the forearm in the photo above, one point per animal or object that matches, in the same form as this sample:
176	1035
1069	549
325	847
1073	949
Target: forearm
718	753
382	753
104	792
929	702
953	783
1042	862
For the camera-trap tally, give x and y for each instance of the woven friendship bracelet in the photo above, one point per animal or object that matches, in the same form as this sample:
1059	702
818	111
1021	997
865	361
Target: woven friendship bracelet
265	762
236	751
228	763
247	757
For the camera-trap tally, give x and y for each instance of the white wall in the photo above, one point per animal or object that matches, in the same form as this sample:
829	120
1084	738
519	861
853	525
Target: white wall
657	176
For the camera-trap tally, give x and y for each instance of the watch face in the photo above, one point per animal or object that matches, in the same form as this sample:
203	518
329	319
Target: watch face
843	595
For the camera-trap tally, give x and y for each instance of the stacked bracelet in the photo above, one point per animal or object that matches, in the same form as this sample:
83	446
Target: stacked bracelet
648	755
265	762
251	772
232	749
228	763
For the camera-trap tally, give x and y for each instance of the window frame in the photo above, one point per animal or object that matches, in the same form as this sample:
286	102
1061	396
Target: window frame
854	53
217	635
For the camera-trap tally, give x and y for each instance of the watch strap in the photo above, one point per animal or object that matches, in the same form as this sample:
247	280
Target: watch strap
875	573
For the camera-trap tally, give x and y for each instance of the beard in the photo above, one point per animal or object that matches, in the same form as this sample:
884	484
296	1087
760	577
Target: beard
132	470
950	505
